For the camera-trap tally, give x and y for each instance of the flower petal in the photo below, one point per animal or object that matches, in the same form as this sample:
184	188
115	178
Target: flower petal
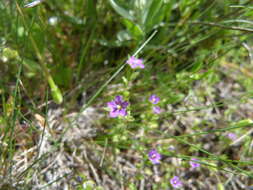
141	65
111	104
124	104
114	113
123	112
135	63
130	60
157	110
118	99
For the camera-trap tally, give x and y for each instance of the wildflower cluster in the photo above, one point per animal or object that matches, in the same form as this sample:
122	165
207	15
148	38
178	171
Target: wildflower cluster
118	107
154	100
155	158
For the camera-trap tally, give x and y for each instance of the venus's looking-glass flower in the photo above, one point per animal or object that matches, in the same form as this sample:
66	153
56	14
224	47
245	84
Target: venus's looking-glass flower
118	107
157	110
154	156
135	63
171	148
175	182
154	99
232	136
194	164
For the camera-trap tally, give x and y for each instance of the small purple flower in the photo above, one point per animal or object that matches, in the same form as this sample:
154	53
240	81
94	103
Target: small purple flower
154	99
157	110
232	136
171	148
175	182
154	156
194	164
118	107
135	63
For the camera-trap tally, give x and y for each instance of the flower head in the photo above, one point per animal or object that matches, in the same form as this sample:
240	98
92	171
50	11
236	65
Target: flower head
171	148
154	156
154	99
232	136
157	110
118	107
194	164
175	182
135	63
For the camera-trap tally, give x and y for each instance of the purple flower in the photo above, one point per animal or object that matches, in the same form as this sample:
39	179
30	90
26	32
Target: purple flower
171	148
118	107
135	63
154	156
157	110
194	164
154	99
175	182
232	136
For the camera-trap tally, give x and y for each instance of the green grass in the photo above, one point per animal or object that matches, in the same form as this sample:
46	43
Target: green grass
52	53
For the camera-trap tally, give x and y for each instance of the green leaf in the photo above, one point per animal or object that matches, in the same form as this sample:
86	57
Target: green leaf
153	10
155	13
243	123
124	35
220	186
55	91
134	29
91	10
10	53
31	65
121	11
132	186
62	76
175	98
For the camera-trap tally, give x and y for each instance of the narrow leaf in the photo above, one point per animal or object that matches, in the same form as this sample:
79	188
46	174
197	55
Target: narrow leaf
123	12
